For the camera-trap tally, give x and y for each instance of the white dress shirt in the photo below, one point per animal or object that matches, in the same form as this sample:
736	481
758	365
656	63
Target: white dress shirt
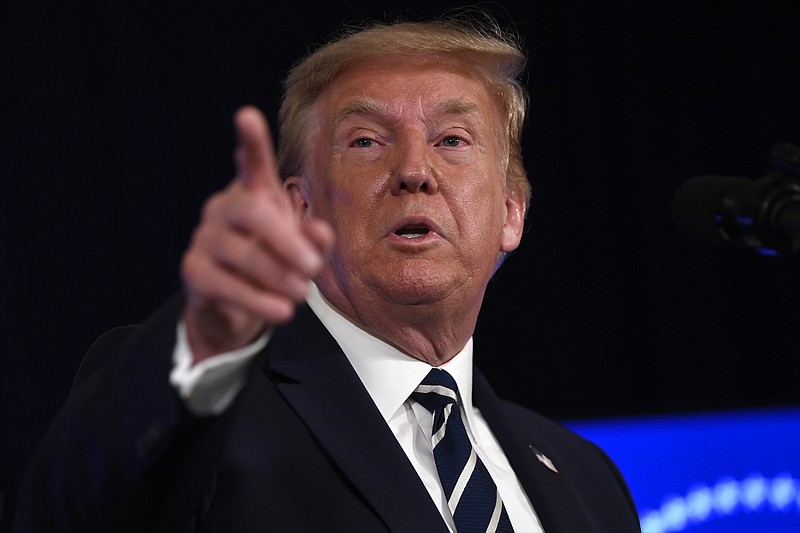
390	377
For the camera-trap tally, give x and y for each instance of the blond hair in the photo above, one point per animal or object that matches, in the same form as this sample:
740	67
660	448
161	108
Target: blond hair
473	36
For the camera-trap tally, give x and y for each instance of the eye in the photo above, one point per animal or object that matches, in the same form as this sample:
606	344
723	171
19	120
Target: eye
451	140
363	142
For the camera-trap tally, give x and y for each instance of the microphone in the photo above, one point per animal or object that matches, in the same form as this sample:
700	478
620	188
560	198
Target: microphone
759	215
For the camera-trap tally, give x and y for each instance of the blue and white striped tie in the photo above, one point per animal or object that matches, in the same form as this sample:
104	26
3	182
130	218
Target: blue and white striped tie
471	494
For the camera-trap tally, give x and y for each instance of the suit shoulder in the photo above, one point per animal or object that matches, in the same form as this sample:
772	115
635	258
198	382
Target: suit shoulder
98	354
156	333
590	462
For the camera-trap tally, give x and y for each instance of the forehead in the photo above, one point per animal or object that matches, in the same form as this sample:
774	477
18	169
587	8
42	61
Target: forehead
409	86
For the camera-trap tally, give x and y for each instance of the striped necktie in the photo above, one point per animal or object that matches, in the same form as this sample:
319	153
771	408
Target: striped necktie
472	496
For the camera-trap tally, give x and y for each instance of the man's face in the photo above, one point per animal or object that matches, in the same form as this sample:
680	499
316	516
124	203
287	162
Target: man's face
407	165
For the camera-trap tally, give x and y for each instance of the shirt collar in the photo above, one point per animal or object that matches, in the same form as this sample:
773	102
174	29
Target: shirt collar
389	375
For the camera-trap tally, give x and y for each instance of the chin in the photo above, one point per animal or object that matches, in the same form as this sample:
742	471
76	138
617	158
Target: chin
420	285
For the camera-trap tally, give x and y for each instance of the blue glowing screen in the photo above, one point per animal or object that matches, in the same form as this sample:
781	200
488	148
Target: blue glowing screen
731	472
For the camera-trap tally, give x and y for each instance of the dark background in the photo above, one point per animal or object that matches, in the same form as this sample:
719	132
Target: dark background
116	125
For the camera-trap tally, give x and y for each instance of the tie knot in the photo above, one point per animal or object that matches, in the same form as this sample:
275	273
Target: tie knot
437	390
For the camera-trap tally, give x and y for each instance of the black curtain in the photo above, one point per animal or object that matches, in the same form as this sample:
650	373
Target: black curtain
116	124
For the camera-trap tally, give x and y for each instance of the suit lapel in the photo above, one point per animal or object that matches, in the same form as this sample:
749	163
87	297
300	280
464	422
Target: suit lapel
324	390
321	386
550	493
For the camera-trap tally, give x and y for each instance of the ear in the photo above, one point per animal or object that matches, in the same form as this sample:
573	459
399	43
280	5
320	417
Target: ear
296	190
514	222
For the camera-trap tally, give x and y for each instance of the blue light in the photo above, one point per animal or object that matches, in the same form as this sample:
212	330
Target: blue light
731	472
726	500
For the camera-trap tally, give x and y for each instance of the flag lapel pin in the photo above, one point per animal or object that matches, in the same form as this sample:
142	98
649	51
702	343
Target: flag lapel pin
542	458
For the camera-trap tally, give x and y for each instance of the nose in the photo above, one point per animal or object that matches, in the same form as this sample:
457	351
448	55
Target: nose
413	169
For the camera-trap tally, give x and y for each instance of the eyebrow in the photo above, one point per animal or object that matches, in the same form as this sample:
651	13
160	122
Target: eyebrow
362	106
457	106
370	106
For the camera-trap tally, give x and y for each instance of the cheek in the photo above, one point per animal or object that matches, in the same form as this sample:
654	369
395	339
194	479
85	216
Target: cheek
354	194
329	195
348	210
482	202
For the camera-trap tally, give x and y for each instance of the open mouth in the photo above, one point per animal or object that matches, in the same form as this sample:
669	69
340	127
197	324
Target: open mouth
413	231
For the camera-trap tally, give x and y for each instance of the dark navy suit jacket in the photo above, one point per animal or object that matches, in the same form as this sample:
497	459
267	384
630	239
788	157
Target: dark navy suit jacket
303	448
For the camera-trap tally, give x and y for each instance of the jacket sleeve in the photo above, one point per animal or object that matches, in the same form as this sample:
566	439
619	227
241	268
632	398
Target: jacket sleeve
123	453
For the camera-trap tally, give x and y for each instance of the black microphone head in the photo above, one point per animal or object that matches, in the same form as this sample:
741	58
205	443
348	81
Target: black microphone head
698	203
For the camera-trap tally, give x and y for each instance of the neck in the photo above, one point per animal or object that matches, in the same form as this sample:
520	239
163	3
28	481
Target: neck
432	332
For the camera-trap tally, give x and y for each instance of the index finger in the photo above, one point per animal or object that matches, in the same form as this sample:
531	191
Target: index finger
255	156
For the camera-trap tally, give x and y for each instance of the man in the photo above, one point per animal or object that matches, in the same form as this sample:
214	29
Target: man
397	192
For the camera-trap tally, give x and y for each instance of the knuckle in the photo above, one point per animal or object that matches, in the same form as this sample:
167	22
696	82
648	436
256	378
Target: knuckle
191	266
212	205
281	311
